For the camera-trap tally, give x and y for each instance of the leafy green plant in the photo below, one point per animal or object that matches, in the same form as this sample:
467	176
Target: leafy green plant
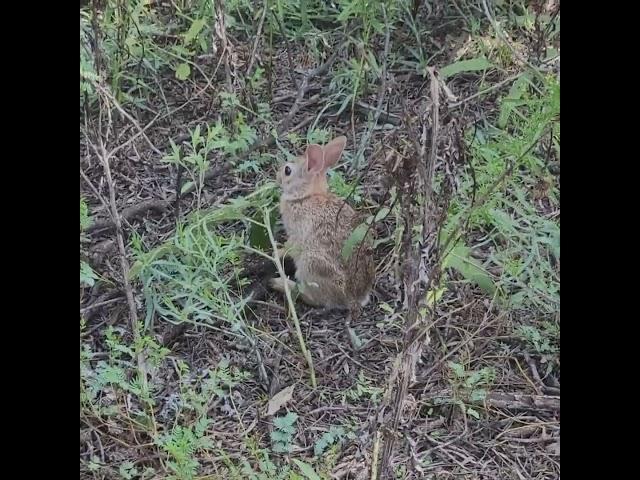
341	187
364	389
319	136
104	383
88	276
128	471
463	66
469	386
126	30
181	444
306	469
195	159
194	41
333	436
188	436
369	13
544	341
524	241
260	465
459	258
85	219
212	384
133	47
192	282
116	373
191	278
283	432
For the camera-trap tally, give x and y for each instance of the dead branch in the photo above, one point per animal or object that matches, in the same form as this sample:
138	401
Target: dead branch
504	400
304	88
265	7
132	212
117	220
414	213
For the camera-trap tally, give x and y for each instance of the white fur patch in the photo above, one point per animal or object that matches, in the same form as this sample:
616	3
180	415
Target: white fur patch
364	302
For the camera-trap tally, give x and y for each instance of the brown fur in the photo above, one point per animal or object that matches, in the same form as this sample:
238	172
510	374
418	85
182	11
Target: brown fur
318	223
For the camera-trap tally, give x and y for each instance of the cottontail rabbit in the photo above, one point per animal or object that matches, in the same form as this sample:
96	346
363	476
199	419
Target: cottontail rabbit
318	223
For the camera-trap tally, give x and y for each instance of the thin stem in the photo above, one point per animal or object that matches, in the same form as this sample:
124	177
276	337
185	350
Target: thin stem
287	292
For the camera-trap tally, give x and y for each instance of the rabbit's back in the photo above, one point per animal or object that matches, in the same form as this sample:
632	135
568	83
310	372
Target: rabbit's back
317	228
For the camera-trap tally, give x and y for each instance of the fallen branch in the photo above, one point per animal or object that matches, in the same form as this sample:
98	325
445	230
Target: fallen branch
124	264
507	401
517	401
303	89
132	212
490	89
384	117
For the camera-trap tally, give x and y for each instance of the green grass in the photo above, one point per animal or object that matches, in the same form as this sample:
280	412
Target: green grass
194	277
520	231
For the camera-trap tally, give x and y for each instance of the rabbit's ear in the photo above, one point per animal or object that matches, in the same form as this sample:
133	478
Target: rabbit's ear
333	151
315	158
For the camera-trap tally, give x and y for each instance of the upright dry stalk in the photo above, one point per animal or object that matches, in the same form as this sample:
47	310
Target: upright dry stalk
415	188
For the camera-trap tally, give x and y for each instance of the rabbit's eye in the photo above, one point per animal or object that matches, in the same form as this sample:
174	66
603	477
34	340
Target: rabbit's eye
287	170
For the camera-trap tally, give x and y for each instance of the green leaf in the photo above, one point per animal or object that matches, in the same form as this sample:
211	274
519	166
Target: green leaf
128	470
460	260
87	275
328	438
281	447
307	470
386	308
85	219
458	369
280	436
382	214
196	137
472	65
201	426
355	340
551	238
183	71
194	30
478	395
434	295
185	188
473	413
509	102
258	234
285	422
353	241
